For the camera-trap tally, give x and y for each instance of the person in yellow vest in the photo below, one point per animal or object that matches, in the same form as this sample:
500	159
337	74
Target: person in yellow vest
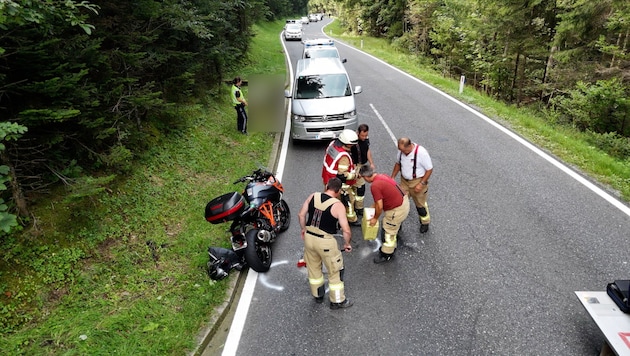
320	217
239	103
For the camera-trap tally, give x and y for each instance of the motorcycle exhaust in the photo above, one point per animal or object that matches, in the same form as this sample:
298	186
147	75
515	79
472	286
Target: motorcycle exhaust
264	235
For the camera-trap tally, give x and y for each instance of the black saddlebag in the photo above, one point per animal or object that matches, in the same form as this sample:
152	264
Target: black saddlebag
227	207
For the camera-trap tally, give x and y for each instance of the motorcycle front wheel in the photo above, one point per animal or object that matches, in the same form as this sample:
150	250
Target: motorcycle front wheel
257	254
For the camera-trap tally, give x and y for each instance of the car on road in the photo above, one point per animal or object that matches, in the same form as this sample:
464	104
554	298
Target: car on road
321	48
313	18
293	31
322	100
305	20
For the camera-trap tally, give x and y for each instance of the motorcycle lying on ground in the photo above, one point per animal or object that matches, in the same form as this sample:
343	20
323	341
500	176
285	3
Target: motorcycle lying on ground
258	215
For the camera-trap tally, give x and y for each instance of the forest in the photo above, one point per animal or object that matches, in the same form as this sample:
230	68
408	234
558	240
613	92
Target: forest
86	85
567	58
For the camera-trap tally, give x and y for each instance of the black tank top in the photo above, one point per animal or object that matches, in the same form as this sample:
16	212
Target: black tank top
322	219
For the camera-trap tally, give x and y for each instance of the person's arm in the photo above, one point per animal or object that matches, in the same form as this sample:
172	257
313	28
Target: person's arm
343	168
425	178
302	214
240	98
369	157
339	212
378	209
424	181
395	170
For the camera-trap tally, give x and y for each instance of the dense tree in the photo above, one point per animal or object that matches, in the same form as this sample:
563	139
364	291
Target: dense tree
92	82
519	51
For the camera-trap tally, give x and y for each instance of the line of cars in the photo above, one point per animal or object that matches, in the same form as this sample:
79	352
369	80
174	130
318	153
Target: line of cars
293	28
322	95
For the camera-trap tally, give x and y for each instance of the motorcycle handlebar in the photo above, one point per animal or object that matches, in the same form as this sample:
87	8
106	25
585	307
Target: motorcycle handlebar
258	175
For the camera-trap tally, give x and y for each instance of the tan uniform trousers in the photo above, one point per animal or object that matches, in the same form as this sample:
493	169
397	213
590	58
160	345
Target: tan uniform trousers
392	220
324	250
360	182
420	199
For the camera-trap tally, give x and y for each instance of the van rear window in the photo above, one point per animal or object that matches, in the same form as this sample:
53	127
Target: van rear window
322	86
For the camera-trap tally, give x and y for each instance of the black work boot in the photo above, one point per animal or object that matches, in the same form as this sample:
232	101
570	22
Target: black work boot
320	295
383	257
424	228
345	304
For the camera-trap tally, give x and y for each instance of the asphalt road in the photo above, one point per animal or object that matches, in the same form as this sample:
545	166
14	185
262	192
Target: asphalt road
514	233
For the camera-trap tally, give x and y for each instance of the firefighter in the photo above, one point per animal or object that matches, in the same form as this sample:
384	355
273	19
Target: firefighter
361	156
320	216
392	203
415	167
338	163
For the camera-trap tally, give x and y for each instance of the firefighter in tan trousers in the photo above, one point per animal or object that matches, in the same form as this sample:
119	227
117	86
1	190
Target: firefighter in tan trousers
391	202
338	163
320	217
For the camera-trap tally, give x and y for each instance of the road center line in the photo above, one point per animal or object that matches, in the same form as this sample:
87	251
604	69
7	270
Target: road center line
391	134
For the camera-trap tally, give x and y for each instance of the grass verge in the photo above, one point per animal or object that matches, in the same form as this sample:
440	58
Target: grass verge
124	272
567	144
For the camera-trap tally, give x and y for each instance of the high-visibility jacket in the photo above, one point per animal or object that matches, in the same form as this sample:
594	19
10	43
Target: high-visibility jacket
331	167
233	94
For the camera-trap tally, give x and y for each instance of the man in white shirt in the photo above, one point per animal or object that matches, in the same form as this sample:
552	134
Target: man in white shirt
415	167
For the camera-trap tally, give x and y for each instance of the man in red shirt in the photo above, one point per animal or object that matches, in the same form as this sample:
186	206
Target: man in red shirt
392	202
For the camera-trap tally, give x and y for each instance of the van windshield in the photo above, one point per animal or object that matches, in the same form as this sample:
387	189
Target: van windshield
321	53
322	86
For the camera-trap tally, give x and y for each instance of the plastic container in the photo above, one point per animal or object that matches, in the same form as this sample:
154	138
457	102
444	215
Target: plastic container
369	232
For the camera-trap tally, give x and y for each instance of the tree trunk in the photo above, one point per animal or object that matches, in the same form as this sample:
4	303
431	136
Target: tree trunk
16	191
547	70
521	81
515	76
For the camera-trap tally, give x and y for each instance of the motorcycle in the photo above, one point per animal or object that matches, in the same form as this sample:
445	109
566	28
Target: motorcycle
258	215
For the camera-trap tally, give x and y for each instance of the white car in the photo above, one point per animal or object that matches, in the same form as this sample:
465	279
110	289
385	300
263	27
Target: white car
293	31
313	18
305	20
321	48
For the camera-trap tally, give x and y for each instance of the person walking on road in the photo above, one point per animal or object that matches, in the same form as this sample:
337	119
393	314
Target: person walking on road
338	163
361	156
239	103
319	217
415	167
393	203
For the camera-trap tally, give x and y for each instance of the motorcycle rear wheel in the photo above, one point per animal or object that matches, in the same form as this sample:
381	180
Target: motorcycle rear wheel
257	254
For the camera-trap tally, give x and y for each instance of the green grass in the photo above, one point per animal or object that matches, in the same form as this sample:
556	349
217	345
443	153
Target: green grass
567	144
123	272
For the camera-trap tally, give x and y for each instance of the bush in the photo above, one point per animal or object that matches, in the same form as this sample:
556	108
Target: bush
612	143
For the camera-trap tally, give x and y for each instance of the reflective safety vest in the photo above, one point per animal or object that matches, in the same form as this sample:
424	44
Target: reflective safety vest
233	94
330	168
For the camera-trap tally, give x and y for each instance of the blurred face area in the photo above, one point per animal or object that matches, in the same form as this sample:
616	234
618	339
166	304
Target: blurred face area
363	135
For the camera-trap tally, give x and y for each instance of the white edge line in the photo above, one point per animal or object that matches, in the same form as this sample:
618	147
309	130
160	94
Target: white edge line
597	190
240	316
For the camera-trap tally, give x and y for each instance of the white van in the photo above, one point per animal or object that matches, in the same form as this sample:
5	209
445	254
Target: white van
322	100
